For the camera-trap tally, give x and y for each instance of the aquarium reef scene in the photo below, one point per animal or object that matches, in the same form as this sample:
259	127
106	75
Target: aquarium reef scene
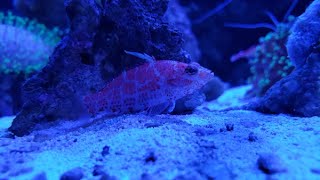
159	89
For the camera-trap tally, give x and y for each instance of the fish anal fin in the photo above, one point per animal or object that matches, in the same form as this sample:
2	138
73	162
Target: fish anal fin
164	108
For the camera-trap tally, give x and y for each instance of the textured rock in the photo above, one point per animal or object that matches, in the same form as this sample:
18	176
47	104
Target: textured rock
188	103
296	94
93	53
177	16
10	93
49	12
73	174
212	90
5	98
270	163
304	34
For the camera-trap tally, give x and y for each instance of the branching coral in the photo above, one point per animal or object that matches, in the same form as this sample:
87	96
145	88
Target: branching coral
25	45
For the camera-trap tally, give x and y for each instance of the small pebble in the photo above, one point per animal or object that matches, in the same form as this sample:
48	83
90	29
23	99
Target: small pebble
204	131
20	171
270	163
73	174
106	176
99	159
98	170
315	170
252	137
146	176
210	144
307	129
150	158
250	124
152	125
105	150
5	142
40	176
194	175
216	170
229	126
4	168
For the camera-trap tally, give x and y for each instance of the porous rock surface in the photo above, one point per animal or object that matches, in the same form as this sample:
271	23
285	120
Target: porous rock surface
297	94
177	16
48	12
10	94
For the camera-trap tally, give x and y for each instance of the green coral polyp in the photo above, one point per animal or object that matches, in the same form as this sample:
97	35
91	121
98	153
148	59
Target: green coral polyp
270	62
25	45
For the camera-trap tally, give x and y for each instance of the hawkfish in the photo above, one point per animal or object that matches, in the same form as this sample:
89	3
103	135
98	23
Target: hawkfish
152	87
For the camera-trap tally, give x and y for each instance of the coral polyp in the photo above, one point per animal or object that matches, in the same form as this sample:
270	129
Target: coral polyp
25	45
270	62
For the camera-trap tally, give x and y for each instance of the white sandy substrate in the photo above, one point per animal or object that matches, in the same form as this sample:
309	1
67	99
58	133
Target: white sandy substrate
195	146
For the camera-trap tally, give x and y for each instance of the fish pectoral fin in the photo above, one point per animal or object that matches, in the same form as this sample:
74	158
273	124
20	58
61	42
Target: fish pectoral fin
165	108
171	107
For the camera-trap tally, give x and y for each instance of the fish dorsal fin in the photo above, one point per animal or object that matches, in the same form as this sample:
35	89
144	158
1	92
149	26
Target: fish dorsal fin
143	56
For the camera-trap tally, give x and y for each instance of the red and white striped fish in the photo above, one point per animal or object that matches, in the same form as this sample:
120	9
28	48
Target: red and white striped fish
152	87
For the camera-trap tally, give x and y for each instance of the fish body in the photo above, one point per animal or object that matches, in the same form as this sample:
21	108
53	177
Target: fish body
153	87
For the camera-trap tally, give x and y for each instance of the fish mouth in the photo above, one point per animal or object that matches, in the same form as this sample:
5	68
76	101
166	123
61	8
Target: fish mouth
206	74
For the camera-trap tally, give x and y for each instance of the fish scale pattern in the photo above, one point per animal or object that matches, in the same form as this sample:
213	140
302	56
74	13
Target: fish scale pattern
148	86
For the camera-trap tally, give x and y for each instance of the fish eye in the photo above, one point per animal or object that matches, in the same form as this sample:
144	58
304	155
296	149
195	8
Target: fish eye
191	70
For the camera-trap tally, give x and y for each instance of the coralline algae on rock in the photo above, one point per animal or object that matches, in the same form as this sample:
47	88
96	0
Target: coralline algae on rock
49	12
